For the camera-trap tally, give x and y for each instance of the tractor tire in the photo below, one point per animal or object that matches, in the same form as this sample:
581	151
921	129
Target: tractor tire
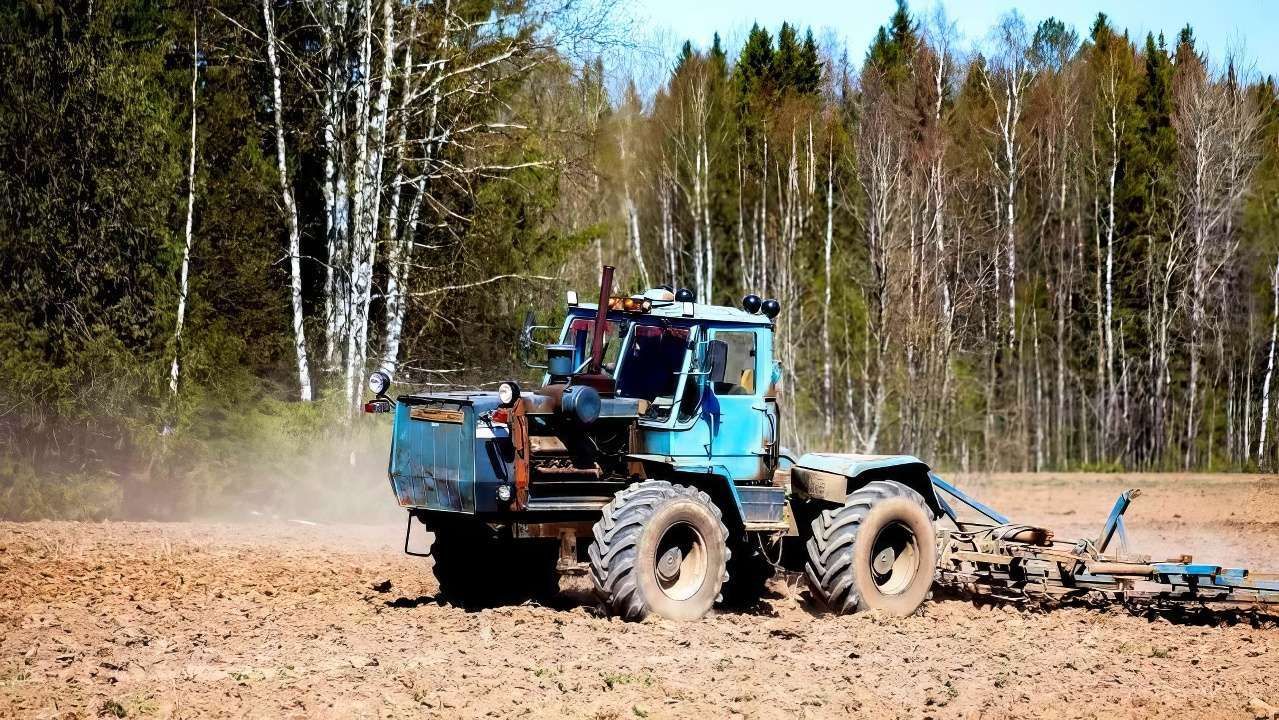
477	568
659	549
878	551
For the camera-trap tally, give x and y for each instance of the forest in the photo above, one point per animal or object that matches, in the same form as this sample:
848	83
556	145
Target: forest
1051	247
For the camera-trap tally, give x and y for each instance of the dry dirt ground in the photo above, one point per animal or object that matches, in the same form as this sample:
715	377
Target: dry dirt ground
277	619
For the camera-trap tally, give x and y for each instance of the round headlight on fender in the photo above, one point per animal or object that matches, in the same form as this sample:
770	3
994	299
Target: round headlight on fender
507	393
379	383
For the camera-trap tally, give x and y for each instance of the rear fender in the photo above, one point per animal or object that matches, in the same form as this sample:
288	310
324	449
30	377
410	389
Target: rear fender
831	477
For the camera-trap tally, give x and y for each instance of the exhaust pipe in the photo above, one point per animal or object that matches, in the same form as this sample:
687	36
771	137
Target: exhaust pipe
601	321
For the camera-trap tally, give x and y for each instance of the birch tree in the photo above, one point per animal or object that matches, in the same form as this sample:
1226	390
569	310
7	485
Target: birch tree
880	173
371	122
183	278
1216	134
333	20
290	208
1006	82
1270	362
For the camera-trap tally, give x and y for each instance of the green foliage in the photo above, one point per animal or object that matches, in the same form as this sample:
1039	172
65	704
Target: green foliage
94	116
753	70
1053	45
893	48
89	188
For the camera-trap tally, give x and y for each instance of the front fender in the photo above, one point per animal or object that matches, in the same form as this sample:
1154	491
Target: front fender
830	477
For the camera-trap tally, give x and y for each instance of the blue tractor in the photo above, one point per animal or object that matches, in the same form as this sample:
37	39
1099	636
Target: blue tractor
649	458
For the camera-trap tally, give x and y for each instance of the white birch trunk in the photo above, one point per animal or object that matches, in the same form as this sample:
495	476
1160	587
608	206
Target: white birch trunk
186	248
361	236
337	200
369	193
631	211
1108	327
290	211
400	242
708	281
1270	365
828	405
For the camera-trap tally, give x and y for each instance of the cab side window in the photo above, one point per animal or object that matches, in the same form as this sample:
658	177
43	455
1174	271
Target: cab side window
739	371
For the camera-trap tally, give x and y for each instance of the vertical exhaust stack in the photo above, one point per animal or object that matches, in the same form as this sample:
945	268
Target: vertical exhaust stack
601	321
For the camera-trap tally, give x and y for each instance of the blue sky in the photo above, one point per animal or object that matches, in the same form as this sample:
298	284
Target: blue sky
1250	25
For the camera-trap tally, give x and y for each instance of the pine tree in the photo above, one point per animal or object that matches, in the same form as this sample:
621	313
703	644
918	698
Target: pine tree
785	67
808	74
753	71
894	46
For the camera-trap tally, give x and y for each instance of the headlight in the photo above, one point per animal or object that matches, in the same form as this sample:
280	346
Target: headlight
504	493
379	383
507	393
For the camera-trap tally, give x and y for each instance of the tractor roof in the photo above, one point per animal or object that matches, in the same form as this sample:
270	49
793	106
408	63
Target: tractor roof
711	314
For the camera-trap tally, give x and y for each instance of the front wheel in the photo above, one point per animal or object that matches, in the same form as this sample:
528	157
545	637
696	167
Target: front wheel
878	551
659	548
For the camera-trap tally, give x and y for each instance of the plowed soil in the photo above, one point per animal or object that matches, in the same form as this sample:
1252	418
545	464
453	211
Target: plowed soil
283	619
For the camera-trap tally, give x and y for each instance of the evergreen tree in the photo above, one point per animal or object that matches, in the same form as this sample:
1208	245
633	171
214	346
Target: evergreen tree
1053	44
718	58
808	74
785	66
753	71
894	46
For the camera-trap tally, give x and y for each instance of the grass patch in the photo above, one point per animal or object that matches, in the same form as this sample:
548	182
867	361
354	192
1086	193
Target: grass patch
612	680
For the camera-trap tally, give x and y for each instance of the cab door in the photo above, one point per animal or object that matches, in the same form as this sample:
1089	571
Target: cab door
741	426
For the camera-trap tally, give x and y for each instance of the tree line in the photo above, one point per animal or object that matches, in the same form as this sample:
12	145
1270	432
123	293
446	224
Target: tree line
1051	249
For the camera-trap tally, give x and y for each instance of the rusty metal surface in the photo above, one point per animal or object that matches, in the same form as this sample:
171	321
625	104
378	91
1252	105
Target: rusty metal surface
551	529
547	445
819	484
601	320
520	441
433	414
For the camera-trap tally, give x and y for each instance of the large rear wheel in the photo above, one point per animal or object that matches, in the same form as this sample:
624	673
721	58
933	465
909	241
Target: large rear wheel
659	548
878	551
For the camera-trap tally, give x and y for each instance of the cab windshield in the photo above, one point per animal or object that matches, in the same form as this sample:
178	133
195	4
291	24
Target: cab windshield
653	362
580	332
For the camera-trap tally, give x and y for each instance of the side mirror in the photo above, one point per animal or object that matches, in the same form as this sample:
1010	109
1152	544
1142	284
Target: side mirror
716	360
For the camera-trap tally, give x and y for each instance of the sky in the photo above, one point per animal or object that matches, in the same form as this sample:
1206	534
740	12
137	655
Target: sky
1251	26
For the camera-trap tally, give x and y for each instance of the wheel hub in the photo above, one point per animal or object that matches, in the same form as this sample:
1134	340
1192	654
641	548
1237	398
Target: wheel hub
883	562
669	563
681	561
894	560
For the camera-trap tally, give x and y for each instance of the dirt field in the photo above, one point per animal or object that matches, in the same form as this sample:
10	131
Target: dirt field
286	620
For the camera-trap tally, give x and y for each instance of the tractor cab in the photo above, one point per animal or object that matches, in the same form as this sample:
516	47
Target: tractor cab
703	378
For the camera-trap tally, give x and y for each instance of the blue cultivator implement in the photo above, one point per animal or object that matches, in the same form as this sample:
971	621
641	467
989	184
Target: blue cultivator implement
993	556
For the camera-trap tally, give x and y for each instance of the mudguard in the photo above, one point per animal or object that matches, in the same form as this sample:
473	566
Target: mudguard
830	477
753	506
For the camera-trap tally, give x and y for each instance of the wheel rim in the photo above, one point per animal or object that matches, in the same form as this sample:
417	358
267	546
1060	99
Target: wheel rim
894	558
681	561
